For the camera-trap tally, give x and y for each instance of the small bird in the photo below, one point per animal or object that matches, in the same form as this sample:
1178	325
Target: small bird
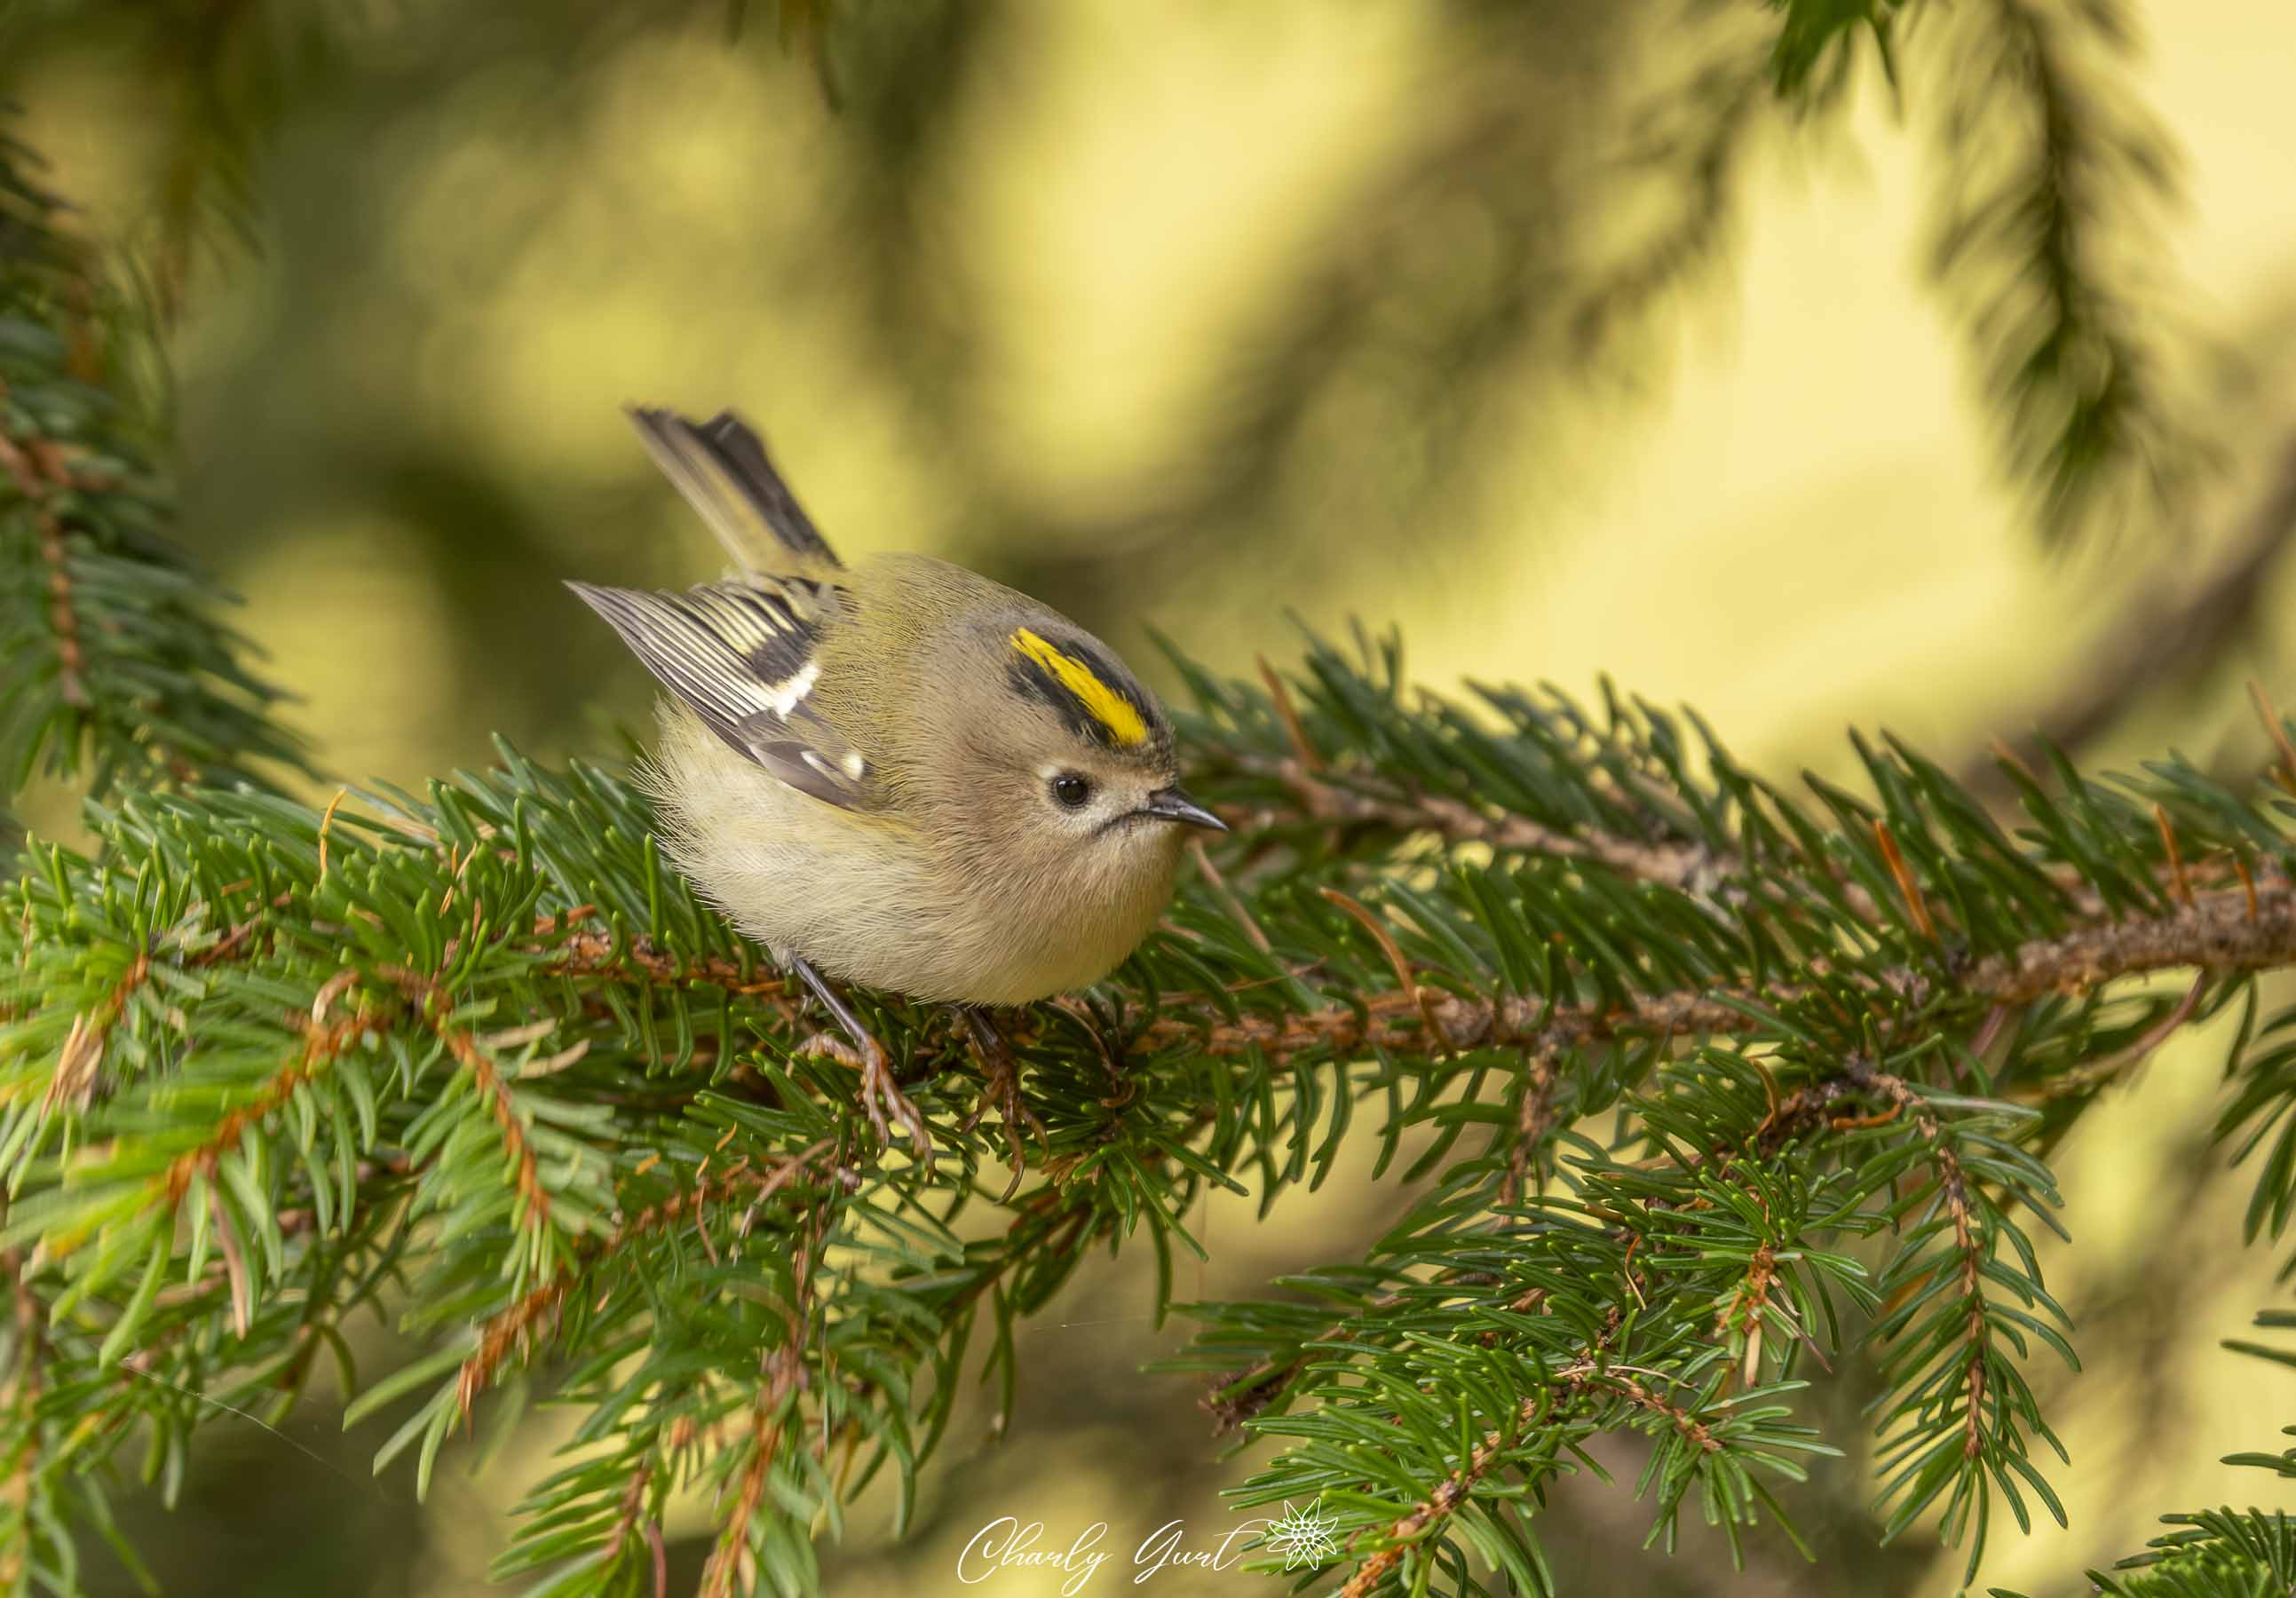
898	774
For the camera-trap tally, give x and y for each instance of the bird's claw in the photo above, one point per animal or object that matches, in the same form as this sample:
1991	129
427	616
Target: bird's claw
1003	1090
880	1095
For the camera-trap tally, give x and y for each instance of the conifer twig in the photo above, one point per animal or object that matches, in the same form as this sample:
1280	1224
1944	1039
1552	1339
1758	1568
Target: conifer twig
2095	1073
1368	801
515	1327
1534	1118
19	1398
1581	1378
430	1003
20	461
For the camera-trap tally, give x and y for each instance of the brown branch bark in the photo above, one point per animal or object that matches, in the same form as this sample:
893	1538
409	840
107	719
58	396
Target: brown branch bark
2219	931
732	1567
1534	1118
2223	931
1953	1187
1405	1018
431	1003
1693	1431
323	1040
594	955
36	469
627	1520
21	1394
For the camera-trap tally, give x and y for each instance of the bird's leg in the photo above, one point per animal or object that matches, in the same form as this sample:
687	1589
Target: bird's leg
879	1091
1003	1087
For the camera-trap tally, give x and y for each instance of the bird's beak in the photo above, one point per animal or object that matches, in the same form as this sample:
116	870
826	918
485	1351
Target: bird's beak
1170	804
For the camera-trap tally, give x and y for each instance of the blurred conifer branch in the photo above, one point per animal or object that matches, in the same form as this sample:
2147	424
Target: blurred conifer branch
215	78
2053	187
114	665
2047	240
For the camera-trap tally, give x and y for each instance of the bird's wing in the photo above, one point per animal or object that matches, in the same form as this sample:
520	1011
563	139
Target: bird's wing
721	468
744	656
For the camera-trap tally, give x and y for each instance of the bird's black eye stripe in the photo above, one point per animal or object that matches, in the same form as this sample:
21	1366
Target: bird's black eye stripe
1071	790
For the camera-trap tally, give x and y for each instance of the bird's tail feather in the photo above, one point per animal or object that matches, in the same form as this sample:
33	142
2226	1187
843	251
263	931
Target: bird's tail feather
721	468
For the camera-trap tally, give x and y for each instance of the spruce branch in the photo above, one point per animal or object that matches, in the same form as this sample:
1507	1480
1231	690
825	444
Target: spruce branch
108	637
2051	179
481	1044
2048	171
26	1485
515	1327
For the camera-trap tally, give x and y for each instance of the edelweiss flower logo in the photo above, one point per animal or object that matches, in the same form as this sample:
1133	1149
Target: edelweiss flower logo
1302	1536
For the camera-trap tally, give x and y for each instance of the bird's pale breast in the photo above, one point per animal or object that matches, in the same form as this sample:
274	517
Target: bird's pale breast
866	899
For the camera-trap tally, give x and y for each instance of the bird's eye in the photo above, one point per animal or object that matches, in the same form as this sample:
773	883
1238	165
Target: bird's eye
1071	790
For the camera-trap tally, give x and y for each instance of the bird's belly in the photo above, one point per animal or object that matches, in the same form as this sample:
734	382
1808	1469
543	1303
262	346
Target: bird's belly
866	900
888	916
916	938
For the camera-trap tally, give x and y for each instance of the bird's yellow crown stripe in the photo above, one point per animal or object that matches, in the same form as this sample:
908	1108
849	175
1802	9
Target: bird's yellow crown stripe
1105	705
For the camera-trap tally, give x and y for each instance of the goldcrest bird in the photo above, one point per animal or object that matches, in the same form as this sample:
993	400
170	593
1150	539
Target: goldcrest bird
898	774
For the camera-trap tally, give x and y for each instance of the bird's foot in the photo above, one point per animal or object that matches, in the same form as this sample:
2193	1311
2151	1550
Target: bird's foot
1003	1090
880	1096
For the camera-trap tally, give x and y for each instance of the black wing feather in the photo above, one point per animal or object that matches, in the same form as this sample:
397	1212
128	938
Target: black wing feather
742	655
